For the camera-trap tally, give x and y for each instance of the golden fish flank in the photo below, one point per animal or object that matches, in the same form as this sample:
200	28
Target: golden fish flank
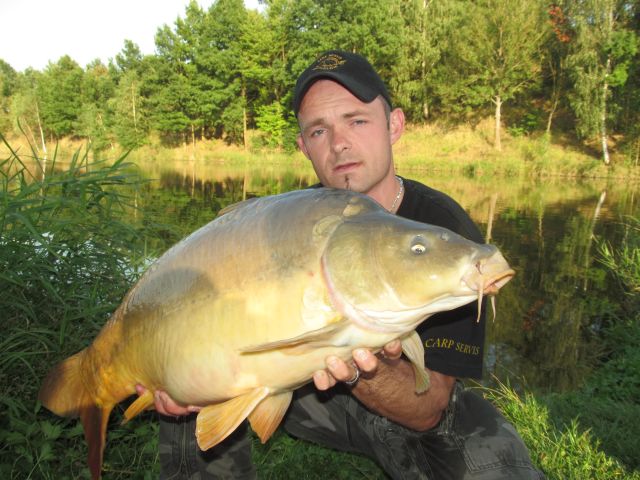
245	309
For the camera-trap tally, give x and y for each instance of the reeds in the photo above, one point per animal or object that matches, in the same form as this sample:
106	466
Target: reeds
67	256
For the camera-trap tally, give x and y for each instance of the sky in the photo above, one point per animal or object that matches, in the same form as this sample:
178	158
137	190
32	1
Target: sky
35	32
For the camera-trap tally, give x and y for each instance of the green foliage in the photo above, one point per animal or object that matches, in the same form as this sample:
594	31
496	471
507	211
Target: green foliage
59	94
492	51
95	118
607	405
600	60
129	58
527	124
626	262
25	107
130	124
8	79
271	121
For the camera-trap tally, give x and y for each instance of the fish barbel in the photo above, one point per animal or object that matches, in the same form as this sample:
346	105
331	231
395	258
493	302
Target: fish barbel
240	313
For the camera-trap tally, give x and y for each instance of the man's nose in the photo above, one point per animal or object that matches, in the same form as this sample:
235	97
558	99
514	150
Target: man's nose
340	141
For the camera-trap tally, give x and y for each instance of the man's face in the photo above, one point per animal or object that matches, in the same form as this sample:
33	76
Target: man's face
348	141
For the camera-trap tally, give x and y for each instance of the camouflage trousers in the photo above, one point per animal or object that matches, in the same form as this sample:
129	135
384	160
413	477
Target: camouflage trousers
472	441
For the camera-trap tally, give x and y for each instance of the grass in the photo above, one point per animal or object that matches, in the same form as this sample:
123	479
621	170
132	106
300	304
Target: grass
590	433
67	256
564	452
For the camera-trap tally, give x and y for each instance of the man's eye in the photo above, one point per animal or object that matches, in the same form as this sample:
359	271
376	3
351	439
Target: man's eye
317	133
359	122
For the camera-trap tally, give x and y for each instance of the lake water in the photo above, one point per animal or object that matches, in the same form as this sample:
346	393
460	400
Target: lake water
546	332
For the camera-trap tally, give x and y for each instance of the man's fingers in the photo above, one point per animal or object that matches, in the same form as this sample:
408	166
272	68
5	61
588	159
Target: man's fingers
167	406
365	360
393	350
339	369
322	380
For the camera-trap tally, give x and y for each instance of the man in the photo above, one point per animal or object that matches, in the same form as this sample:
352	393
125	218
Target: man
369	405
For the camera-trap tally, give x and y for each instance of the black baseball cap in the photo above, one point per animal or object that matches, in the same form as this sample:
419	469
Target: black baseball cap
350	70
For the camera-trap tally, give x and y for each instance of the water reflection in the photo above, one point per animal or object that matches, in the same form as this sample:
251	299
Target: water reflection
546	331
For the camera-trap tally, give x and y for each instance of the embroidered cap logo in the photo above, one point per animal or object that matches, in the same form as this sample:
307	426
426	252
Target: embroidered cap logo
329	62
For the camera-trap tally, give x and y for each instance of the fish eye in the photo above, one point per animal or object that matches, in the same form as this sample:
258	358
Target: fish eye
418	245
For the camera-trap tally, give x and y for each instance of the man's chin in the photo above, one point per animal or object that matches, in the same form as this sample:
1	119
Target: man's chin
349	179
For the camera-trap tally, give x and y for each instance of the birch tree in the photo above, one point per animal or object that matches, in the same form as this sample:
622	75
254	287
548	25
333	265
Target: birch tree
599	63
494	54
25	110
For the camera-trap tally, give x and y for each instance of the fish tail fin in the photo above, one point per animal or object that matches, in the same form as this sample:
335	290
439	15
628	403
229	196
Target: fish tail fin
65	392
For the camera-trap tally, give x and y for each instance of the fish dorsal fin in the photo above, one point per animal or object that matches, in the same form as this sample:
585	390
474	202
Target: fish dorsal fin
414	350
321	337
141	403
216	422
234	206
266	417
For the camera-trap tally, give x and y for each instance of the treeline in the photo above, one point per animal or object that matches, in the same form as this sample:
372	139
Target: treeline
572	66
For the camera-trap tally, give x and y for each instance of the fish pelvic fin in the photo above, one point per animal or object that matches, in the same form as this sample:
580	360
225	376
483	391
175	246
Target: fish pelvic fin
216	422
266	417
65	393
414	350
141	403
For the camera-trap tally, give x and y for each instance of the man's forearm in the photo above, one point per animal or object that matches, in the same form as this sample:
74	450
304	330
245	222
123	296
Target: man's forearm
390	392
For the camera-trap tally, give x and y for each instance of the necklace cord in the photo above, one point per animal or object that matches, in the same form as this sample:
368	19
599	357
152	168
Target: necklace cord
399	194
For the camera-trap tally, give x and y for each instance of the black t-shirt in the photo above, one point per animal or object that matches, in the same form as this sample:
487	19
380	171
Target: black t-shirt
453	340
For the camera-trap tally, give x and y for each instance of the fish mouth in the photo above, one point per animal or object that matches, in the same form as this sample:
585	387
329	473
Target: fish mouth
487	277
494	284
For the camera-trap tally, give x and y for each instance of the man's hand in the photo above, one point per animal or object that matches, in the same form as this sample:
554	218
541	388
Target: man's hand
387	386
165	405
340	371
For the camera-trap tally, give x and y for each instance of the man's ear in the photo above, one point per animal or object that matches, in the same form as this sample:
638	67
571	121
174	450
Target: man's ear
396	124
302	146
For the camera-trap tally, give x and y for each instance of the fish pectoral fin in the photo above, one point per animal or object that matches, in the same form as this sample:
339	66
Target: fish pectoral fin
266	417
215	422
414	350
321	337
141	403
